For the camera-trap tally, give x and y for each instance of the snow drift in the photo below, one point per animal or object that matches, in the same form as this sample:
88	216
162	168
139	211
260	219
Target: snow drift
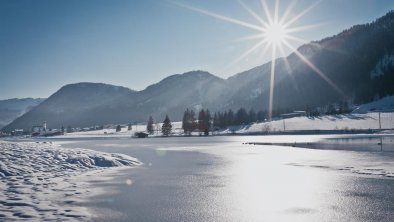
38	180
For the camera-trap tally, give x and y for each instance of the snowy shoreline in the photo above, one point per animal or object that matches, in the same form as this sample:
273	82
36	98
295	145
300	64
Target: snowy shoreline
354	123
45	181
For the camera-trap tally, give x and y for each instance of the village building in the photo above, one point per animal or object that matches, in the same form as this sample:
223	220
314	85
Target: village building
39	130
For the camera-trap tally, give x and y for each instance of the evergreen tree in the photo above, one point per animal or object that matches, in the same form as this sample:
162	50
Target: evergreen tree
225	121
216	120
69	129
308	110
185	120
315	112
261	116
344	107
201	121
241	117
188	122
222	120
331	109
252	116
149	126
208	123
192	121
166	128
230	118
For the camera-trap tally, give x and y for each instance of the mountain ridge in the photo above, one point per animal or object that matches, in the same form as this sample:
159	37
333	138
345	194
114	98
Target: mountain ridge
346	59
10	109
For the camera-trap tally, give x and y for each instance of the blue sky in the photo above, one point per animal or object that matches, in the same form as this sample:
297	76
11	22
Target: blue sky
45	44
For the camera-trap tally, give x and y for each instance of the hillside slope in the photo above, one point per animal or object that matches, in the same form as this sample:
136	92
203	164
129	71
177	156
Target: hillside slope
87	104
11	109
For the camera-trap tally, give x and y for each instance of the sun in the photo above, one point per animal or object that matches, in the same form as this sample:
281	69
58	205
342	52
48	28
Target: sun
275	33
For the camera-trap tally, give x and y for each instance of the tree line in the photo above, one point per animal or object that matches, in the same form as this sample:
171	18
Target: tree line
240	117
341	107
205	121
166	127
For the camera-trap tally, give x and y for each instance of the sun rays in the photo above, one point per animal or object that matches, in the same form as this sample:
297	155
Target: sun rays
275	32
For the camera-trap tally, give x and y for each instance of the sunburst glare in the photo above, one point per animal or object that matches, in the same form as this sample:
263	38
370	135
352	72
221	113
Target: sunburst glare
275	32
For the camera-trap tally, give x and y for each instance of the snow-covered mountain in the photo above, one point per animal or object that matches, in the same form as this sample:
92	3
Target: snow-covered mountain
11	109
354	65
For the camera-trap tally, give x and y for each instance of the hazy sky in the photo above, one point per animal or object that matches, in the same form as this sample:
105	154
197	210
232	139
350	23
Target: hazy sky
45	44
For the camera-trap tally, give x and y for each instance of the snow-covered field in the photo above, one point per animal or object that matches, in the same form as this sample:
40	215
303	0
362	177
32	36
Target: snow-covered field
42	181
109	133
331	122
353	121
386	103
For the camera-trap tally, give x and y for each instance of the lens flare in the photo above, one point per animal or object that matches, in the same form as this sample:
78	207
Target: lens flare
275	32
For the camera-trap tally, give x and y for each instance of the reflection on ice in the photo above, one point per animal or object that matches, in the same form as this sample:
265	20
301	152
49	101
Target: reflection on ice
269	189
378	164
333	142
222	179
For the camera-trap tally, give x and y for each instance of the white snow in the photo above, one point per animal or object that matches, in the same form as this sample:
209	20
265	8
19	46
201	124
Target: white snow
360	118
352	121
109	133
329	122
385	104
42	180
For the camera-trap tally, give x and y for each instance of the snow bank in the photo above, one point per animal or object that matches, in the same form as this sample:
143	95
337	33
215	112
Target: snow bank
331	122
386	103
38	179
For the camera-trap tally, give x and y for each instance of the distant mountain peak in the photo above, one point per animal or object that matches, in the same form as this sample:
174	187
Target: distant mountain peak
197	73
191	75
93	85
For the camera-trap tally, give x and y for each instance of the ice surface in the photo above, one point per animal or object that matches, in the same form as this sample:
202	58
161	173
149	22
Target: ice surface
39	180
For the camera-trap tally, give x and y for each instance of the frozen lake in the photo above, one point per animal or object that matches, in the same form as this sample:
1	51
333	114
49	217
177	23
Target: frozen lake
222	179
